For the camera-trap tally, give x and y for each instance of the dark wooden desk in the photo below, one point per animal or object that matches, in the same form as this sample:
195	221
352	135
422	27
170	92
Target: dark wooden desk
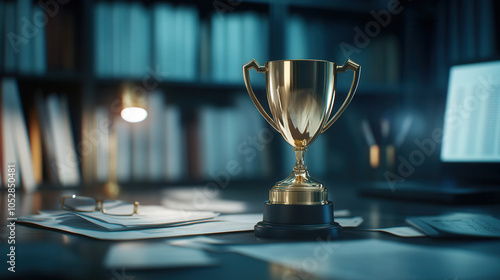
50	254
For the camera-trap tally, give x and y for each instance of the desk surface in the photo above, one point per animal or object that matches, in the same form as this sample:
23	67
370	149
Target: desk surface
51	254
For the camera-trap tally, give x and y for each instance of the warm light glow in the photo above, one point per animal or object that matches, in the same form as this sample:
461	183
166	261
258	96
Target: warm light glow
134	114
374	156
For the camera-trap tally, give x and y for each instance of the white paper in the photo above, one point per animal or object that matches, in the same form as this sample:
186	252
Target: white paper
371	259
349	222
400	231
151	216
458	225
117	227
155	255
78	225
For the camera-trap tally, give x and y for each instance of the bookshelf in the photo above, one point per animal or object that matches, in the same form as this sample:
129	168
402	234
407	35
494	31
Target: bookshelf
189	54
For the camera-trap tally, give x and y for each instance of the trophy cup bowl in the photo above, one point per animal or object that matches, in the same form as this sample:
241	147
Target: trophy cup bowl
300	95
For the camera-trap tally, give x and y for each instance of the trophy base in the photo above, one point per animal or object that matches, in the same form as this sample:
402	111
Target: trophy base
282	221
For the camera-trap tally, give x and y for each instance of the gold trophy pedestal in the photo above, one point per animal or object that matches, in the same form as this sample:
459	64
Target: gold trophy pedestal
298	222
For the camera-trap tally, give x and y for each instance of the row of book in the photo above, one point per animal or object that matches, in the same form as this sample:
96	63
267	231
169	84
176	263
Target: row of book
168	147
122	38
132	39
379	56
237	38
42	143
33	40
167	41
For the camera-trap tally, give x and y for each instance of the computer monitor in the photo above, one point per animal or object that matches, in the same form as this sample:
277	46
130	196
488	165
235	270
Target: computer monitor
470	150
470	146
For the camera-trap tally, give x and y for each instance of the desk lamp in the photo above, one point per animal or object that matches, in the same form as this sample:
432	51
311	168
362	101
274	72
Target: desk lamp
134	106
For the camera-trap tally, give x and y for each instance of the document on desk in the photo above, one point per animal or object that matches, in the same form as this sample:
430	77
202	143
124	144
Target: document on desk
458	225
149	216
92	227
371	259
151	222
400	231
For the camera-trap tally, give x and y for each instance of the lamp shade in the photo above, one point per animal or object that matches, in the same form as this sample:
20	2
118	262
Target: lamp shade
134	104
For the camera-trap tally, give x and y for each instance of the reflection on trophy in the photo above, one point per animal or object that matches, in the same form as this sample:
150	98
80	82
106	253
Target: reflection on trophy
300	94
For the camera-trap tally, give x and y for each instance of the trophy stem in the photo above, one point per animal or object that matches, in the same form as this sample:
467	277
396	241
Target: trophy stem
299	160
300	169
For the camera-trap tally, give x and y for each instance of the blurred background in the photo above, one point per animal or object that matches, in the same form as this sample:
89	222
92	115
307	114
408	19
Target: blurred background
68	68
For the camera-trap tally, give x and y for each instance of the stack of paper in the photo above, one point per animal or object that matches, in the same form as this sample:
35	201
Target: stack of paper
151	222
458	225
149	217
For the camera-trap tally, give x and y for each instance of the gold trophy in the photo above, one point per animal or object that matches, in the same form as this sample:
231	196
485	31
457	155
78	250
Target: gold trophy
300	95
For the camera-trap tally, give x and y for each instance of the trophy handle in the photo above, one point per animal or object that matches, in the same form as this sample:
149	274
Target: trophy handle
246	76
349	64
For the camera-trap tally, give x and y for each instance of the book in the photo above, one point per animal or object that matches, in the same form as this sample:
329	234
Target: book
103	145
72	157
164	36
140	151
10	53
175	145
141	40
122	130
103	41
209	145
205	51
177	66
233	56
34	133
39	46
8	146
193	151
3	38
48	149
226	136
189	48
16	141
155	134
253	138
66	162
218	47
2	169
26	31
120	38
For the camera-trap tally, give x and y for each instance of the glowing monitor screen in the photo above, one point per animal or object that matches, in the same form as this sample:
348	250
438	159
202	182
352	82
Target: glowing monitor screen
472	116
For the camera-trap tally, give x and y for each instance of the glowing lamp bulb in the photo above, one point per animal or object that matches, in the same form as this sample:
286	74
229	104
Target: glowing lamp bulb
134	114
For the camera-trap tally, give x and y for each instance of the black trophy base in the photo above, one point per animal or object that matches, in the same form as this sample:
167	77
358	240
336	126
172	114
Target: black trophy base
298	222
